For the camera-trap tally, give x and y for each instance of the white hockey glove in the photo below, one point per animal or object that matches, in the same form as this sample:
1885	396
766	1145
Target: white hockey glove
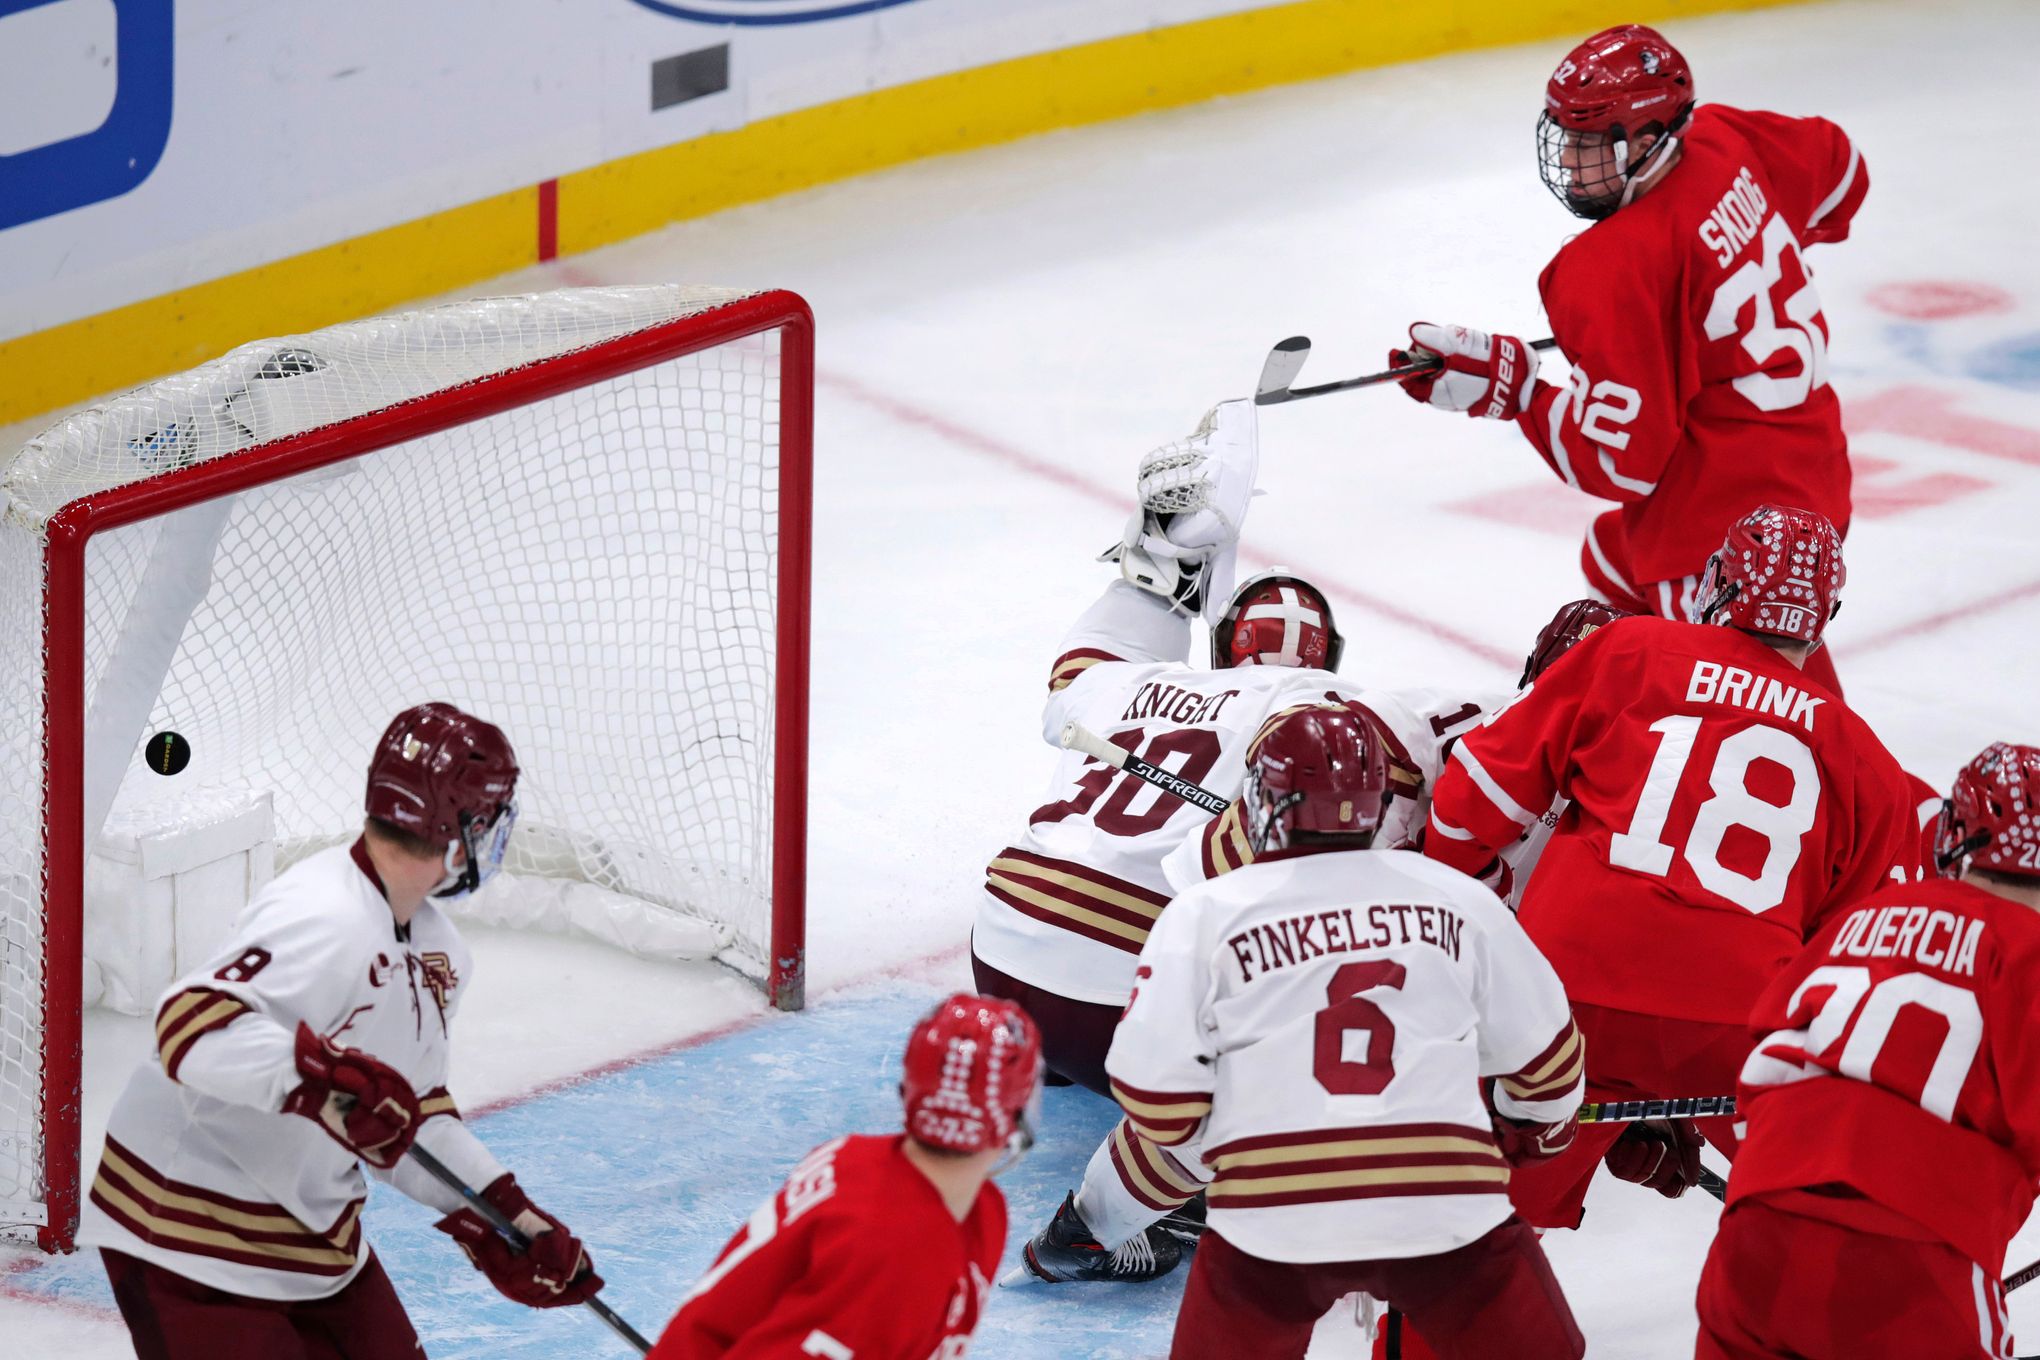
1480	375
1194	494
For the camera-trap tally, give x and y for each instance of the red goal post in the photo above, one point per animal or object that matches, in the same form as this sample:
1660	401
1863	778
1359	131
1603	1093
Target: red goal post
585	515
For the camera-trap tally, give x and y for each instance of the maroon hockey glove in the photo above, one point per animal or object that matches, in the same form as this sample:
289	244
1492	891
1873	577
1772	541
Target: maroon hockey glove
1522	1142
552	1273
366	1105
1663	1154
1480	375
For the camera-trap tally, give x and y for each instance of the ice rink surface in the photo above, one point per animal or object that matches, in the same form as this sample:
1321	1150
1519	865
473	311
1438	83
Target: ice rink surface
1001	336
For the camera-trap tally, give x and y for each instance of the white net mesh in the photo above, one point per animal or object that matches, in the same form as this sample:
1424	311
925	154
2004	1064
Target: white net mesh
594	571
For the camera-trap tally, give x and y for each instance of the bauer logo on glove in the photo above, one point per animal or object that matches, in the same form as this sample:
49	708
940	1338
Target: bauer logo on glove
1489	377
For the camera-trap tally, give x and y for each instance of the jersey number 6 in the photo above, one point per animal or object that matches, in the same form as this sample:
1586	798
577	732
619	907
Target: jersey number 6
1350	1013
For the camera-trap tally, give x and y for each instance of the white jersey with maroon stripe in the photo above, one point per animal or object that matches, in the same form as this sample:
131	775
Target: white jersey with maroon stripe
1318	1024
201	1174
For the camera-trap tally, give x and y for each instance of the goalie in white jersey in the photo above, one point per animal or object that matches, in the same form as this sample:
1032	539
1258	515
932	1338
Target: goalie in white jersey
228	1201
1322	1024
1068	905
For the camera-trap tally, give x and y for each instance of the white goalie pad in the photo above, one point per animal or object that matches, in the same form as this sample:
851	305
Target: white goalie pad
1194	495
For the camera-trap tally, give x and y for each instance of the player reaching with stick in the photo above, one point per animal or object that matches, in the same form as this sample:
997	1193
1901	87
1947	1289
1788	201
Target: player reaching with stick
1359	1044
799	1279
1893	1108
1697	385
228	1201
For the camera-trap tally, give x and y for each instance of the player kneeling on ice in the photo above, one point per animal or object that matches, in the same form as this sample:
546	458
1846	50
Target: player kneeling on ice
228	1201
1893	1109
1322	1026
807	1276
1069	902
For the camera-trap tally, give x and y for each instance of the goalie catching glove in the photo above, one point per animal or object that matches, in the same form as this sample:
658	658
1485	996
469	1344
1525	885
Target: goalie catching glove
1482	375
553	1272
366	1105
1194	494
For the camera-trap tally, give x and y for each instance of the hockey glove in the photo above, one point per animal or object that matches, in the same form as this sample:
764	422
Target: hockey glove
1522	1142
1481	376
553	1272
1194	494
365	1105
1663	1154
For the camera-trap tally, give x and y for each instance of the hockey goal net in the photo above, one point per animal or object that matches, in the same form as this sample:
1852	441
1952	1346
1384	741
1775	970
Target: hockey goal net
582	515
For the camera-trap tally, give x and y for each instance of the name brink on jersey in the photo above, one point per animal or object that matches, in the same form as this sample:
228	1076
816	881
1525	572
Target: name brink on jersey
1300	939
1715	683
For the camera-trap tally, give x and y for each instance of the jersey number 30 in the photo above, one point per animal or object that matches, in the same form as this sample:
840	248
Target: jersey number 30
1730	804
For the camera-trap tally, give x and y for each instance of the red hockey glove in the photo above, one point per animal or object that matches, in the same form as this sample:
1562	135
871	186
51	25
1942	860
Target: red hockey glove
1481	376
1663	1154
553	1273
1522	1142
366	1105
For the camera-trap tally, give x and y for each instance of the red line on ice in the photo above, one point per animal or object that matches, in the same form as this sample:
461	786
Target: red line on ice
1935	622
978	442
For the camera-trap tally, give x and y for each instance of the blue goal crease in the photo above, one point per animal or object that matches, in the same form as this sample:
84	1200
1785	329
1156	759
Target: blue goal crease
655	1165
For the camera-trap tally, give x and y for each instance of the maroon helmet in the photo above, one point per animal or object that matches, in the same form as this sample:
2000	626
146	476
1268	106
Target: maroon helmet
451	779
1277	619
1617	86
971	1075
1779	572
1569	627
1992	819
1315	767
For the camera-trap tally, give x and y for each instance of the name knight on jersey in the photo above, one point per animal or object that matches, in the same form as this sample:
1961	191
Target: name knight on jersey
1935	938
1158	700
1261	949
1715	683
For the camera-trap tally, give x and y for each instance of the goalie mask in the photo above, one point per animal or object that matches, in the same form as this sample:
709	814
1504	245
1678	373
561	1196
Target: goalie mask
450	778
1992	818
972	1076
1620	85
1314	768
1277	619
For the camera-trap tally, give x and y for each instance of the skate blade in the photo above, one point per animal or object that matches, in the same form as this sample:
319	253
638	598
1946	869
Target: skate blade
1017	1276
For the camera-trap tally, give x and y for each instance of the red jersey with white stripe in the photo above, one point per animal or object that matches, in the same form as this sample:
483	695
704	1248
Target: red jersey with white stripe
1698	383
1897	1055
1721	805
1319	1025
800	1279
1069	903
201	1174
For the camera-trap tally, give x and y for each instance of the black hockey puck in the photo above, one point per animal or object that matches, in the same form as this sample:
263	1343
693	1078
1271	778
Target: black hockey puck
167	753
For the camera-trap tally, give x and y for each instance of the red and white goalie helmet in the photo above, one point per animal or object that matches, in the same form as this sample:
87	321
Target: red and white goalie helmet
1779	573
1315	767
1992	818
1277	619
449	778
972	1078
1621	84
1569	627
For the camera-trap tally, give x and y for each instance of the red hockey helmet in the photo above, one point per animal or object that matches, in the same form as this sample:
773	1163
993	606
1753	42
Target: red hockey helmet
972	1075
1619	85
1779	572
1277	619
450	778
1315	767
1992	818
1568	628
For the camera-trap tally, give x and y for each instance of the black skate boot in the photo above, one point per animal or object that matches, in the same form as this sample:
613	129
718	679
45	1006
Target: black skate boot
1185	1222
1065	1250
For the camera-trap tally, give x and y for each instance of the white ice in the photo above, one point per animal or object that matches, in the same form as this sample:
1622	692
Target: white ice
1003	333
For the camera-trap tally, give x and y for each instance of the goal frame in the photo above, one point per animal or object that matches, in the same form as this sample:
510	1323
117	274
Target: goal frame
71	529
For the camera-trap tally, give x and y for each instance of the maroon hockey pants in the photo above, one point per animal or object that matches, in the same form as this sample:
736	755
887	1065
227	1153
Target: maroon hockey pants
1781	1285
1074	1034
1493	1297
172	1318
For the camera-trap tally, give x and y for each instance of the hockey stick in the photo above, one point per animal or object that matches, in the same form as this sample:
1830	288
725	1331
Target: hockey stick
1077	737
1285	361
1629	1111
495	1218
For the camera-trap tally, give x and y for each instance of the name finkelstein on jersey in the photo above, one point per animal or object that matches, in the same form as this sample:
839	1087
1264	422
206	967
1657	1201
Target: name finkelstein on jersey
1300	939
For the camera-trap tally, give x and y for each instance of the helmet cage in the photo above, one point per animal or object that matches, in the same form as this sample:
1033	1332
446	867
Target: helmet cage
1612	189
487	844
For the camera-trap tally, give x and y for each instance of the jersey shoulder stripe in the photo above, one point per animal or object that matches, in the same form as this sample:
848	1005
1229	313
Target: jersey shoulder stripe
1074	663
